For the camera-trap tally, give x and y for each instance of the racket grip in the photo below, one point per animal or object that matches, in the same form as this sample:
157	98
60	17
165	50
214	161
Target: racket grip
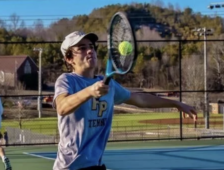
106	80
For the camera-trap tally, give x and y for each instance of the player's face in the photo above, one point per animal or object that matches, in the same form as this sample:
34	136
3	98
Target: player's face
84	55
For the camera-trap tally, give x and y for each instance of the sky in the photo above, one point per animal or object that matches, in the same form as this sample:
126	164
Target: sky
51	10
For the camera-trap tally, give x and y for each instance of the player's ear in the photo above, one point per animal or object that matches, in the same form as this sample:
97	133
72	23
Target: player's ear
69	60
68	55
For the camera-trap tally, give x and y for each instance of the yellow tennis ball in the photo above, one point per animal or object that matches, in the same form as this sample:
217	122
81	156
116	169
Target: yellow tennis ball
125	48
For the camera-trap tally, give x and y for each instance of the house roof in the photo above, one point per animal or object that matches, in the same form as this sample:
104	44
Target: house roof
9	63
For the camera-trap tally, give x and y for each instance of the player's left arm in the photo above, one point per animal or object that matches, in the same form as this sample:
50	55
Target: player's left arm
146	100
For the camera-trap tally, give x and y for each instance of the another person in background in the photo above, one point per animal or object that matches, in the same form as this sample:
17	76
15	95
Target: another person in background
6	138
2	152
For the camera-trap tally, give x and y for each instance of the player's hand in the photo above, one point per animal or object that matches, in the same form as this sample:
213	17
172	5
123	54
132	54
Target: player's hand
99	89
186	109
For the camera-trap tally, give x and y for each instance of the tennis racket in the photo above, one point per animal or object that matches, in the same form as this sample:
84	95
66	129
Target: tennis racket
120	30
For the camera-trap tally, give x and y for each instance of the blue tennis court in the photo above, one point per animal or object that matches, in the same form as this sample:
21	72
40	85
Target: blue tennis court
171	158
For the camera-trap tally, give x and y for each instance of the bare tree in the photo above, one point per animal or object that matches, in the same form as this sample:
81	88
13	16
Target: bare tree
146	33
177	7
19	111
158	3
39	28
22	24
170	6
166	66
170	71
15	21
174	75
2	24
193	79
6	83
217	65
154	66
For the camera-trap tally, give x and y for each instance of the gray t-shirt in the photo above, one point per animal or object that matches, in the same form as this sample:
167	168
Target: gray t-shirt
84	133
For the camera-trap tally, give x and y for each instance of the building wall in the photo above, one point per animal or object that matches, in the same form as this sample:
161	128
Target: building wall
217	108
27	72
214	108
27	67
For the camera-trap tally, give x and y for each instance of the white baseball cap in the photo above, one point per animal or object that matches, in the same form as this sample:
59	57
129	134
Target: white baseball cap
74	38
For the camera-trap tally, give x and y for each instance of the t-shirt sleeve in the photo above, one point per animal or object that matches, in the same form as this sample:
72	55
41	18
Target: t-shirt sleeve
61	86
121	94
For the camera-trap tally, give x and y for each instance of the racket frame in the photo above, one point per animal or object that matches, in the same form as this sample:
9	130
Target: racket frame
110	62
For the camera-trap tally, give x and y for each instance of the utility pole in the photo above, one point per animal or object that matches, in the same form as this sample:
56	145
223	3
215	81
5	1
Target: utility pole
39	101
205	32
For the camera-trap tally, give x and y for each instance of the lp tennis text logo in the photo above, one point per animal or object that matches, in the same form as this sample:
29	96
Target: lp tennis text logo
100	106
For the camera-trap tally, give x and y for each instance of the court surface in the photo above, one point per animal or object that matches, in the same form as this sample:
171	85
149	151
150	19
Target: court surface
170	155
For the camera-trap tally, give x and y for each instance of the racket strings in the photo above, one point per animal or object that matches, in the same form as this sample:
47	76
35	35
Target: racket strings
117	37
116	57
121	33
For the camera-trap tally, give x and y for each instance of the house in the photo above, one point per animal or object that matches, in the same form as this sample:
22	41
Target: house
217	108
20	68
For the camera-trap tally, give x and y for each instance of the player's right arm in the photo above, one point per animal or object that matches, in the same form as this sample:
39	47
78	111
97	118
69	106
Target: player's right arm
67	103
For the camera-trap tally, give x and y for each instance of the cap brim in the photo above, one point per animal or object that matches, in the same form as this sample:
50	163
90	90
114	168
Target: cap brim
91	36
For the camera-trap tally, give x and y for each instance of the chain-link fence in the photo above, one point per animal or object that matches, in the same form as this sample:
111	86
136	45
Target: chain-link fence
188	71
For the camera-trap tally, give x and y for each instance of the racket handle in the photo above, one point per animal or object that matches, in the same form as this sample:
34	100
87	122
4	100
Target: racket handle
106	80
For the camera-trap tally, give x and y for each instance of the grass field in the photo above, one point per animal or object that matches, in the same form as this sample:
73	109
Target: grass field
121	122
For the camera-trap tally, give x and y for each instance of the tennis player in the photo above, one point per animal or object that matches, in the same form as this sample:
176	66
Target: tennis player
85	105
2	152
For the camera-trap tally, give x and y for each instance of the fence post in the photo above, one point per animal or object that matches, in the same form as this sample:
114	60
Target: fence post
180	87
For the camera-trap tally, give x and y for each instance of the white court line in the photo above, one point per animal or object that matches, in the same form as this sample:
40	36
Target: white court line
170	148
44	157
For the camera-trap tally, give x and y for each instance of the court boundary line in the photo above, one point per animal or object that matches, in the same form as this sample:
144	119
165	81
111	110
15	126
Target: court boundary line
35	155
172	148
43	157
167	148
156	149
